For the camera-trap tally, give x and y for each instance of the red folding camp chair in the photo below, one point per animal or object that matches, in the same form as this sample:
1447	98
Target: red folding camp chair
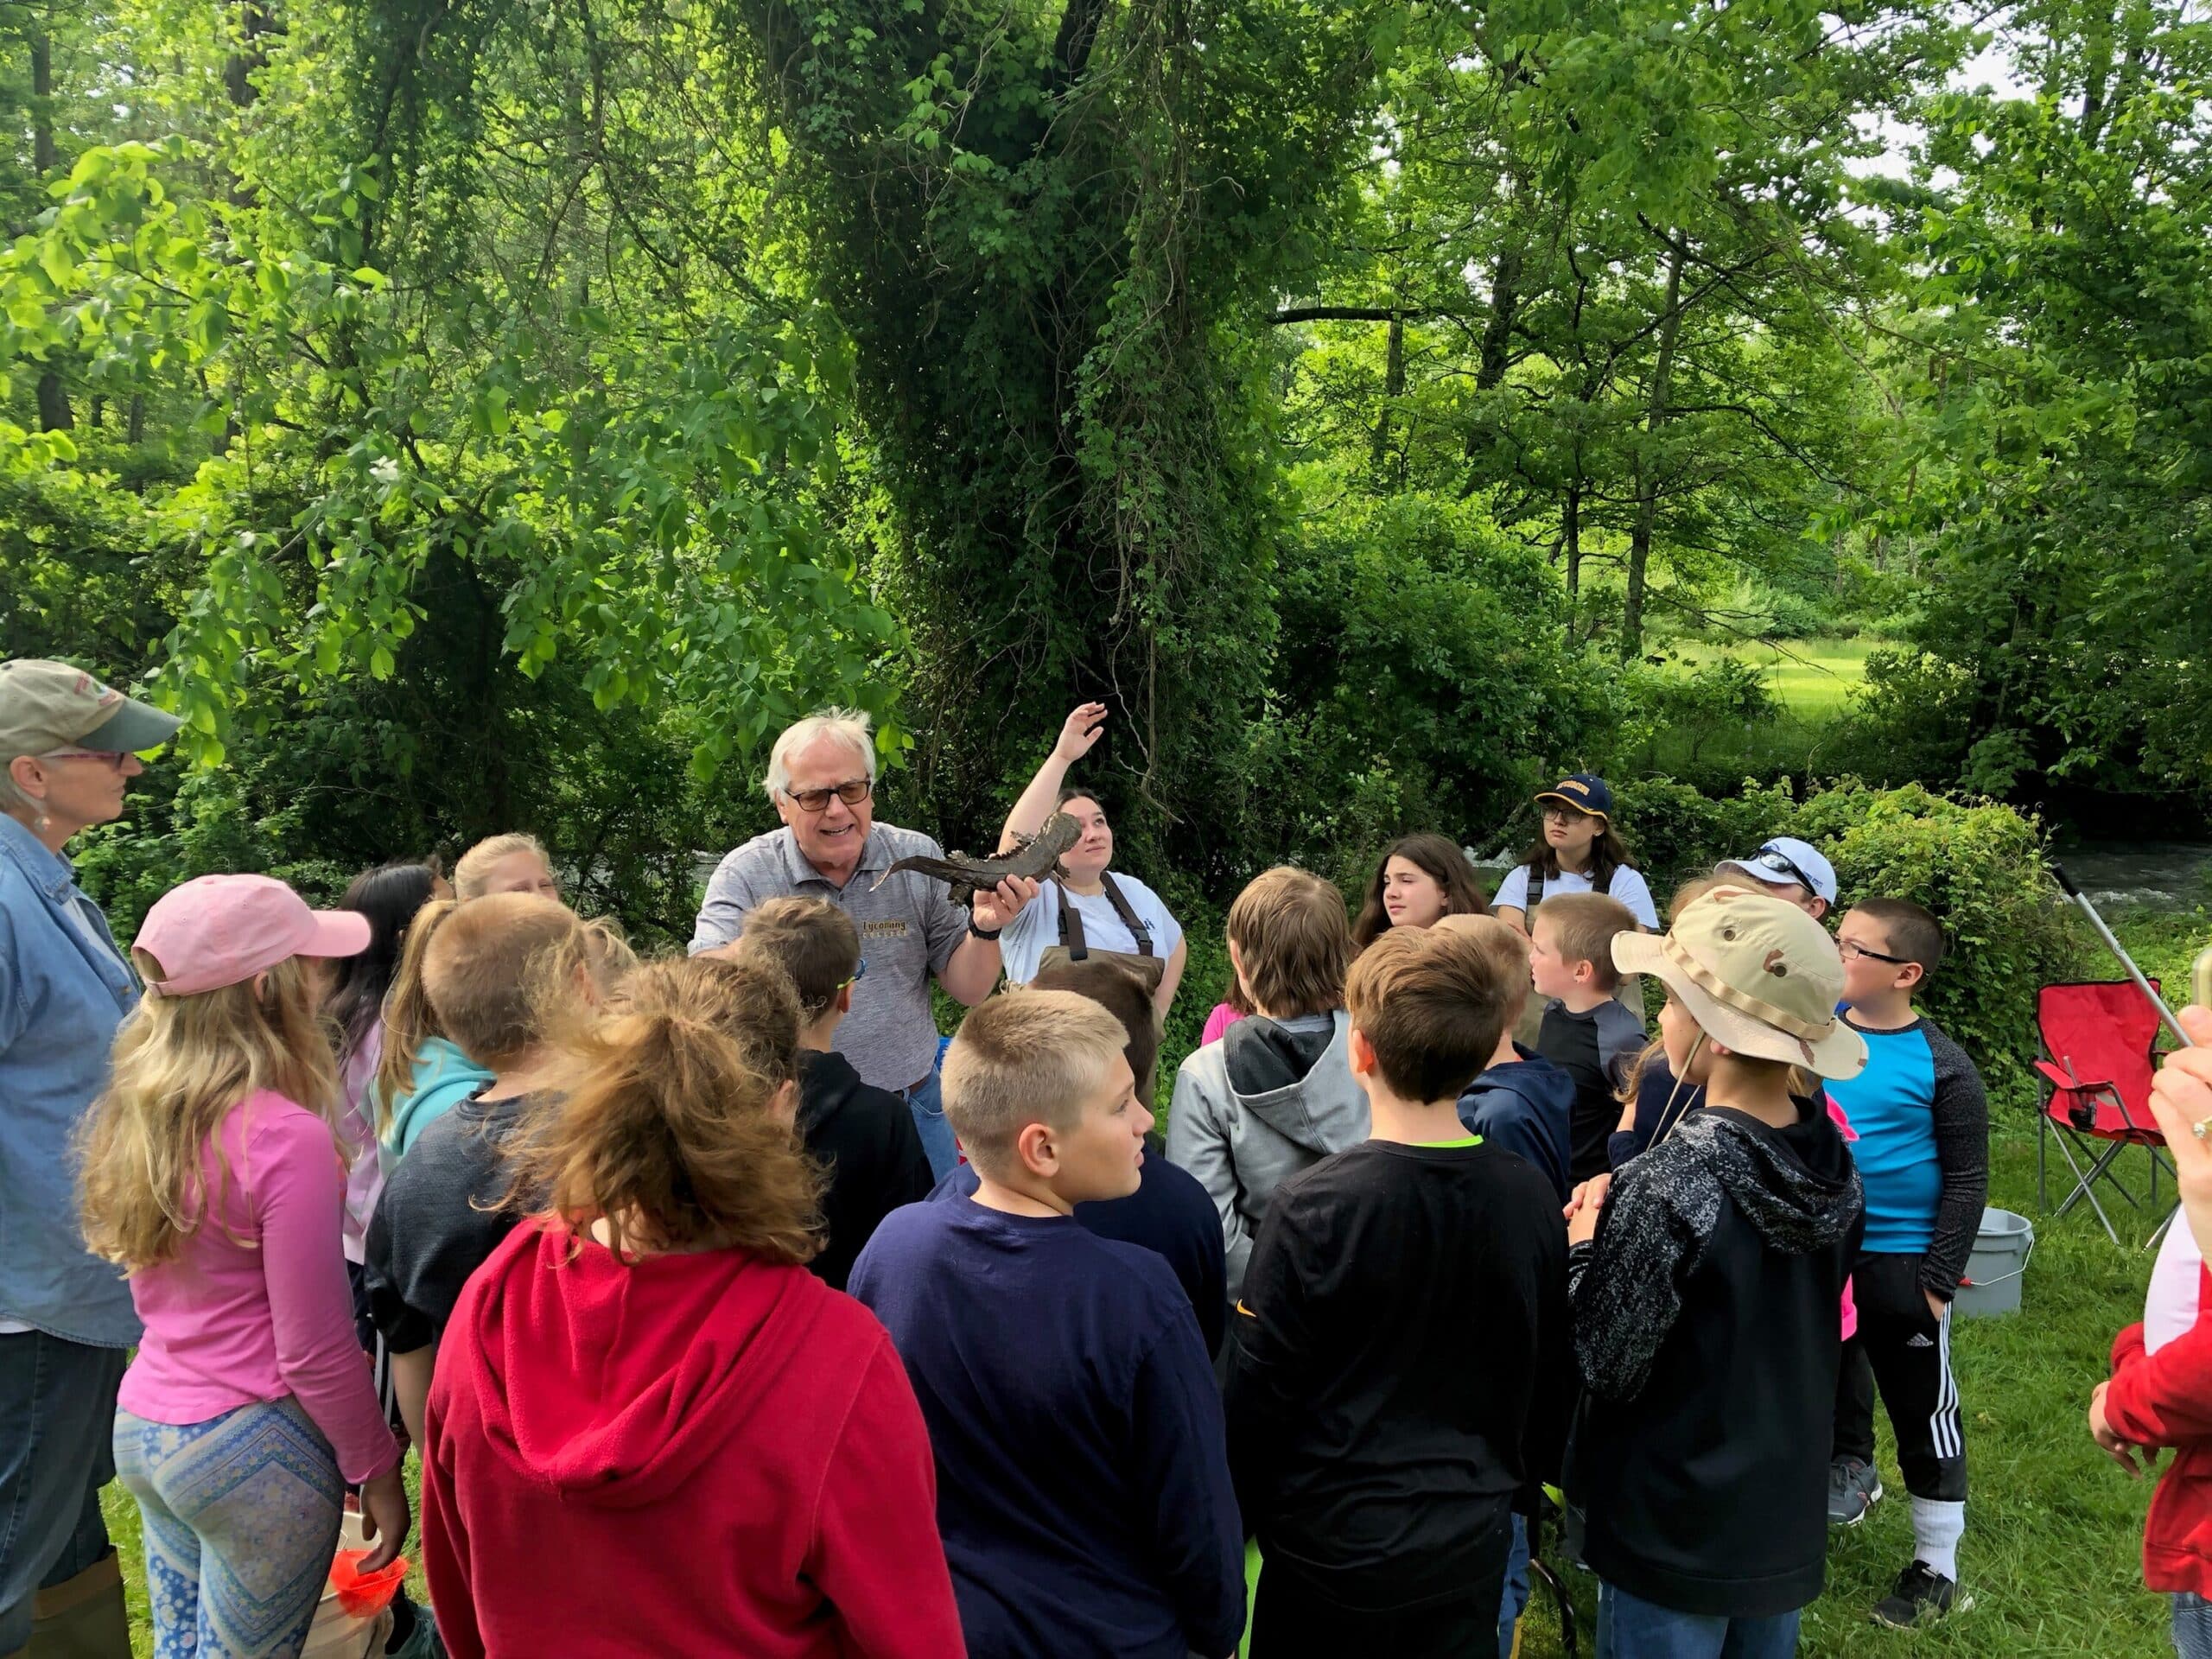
2100	1049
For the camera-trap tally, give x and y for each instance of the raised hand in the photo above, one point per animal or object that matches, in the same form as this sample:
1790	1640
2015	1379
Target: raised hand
1080	731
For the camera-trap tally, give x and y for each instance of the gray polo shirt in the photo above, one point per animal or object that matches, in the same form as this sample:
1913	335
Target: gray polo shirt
909	928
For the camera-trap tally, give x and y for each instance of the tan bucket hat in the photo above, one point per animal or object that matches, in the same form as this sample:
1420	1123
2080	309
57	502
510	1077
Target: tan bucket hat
1760	976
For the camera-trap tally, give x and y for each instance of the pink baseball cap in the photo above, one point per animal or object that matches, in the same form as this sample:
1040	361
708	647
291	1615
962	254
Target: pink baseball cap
222	930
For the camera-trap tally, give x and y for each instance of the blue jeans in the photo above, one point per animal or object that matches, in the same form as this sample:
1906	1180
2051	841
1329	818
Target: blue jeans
1517	1587
925	1100
57	1412
2192	1625
1630	1628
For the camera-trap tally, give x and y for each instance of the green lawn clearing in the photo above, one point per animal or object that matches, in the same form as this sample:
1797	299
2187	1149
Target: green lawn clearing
1812	676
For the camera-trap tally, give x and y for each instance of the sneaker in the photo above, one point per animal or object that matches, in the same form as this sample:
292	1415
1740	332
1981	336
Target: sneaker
1923	1596
1854	1489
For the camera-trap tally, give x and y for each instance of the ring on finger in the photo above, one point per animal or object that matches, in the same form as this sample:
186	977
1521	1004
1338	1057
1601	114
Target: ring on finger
2201	1128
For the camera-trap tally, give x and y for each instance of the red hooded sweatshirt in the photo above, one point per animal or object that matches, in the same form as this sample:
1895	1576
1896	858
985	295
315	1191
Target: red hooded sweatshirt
2165	1399
702	1455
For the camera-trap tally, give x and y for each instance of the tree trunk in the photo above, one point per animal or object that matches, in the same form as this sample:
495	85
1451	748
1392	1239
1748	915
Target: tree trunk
53	414
42	157
1394	387
1497	333
1570	536
1647	477
254	21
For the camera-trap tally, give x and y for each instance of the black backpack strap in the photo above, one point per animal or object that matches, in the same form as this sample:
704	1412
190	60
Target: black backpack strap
1126	911
1535	895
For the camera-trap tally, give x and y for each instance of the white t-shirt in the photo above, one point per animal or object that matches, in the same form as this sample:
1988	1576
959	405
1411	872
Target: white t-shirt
2170	1308
1037	929
1628	885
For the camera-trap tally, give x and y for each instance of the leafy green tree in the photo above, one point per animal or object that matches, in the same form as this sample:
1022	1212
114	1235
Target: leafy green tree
2056	465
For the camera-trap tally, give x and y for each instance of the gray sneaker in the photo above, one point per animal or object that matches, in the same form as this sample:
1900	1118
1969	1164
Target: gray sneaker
1854	1489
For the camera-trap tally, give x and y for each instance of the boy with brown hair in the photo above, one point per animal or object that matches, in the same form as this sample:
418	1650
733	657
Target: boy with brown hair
1275	1094
1398	1368
1586	1032
500	969
1922	1151
862	1135
1083	1478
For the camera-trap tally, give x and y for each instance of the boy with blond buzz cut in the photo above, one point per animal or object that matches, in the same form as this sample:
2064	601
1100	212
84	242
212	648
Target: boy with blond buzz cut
1704	1285
1520	1101
499	967
1586	1032
1398	1363
1083	1475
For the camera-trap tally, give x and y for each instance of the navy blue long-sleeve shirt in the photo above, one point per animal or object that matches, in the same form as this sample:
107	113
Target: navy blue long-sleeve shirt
1082	1464
1169	1213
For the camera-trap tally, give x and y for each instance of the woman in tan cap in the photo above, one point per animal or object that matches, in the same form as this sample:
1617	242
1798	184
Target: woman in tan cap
1703	1288
68	747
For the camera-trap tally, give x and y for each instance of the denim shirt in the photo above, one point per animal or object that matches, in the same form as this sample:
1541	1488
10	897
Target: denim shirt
61	1001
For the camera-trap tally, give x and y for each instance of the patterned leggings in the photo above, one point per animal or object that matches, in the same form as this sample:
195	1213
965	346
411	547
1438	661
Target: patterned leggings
242	1514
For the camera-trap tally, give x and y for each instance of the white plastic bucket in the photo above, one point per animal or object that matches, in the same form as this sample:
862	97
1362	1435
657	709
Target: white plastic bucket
1997	1266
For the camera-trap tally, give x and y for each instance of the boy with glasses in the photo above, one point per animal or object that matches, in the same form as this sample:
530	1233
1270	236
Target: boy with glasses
1922	1151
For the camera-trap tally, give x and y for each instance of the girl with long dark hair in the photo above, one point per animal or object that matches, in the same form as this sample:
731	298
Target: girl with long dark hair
1419	880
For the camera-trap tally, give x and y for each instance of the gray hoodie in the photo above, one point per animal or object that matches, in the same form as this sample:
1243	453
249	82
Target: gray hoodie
1255	1108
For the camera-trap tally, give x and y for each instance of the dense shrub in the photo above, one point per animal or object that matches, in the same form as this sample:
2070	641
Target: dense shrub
1716	702
1676	830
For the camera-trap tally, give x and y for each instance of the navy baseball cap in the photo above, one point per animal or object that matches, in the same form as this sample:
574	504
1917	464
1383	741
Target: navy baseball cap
1586	791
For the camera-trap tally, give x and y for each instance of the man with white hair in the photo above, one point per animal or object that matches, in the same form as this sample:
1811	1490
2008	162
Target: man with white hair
822	778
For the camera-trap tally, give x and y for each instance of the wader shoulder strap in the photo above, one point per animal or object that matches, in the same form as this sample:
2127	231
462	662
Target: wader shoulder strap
1071	921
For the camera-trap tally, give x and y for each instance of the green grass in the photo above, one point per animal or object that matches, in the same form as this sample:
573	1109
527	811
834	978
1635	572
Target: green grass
1812	678
2052	1555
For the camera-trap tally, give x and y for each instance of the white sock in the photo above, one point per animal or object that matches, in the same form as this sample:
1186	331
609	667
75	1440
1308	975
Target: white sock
1936	1528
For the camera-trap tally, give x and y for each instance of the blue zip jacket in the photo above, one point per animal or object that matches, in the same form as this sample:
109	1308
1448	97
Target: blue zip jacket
63	989
1526	1106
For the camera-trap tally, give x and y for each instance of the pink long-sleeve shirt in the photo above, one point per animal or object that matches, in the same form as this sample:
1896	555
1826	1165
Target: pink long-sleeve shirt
255	1305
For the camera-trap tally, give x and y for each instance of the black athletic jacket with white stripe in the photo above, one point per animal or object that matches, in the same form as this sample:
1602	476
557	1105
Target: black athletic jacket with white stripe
1707	1330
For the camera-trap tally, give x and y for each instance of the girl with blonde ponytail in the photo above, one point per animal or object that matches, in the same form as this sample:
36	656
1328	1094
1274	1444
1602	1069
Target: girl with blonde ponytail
214	1177
647	1369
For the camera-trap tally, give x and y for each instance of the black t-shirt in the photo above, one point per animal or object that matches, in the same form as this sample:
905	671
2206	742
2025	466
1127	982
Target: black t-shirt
1398	1372
440	1216
1596	1048
865	1138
